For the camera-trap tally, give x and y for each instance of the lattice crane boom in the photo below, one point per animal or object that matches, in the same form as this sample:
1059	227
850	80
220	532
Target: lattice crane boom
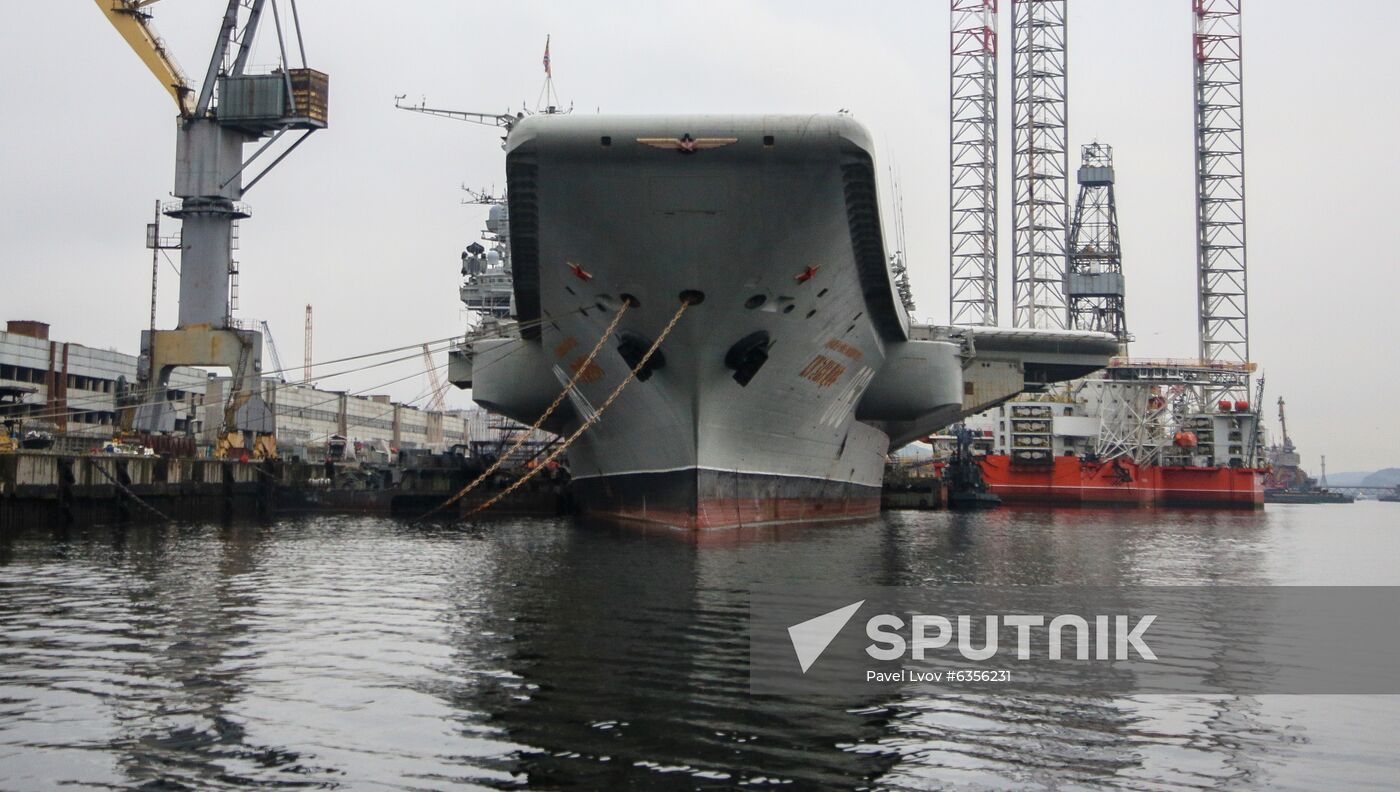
437	388
277	366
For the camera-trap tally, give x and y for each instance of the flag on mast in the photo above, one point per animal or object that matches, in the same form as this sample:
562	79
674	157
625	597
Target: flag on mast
547	72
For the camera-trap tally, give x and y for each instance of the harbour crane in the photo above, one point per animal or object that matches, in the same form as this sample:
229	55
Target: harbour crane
437	389
231	109
277	366
1283	426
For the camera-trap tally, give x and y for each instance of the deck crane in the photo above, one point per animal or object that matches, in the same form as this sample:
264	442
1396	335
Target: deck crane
504	120
231	109
437	393
547	105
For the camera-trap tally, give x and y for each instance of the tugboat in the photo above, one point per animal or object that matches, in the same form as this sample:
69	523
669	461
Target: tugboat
966	487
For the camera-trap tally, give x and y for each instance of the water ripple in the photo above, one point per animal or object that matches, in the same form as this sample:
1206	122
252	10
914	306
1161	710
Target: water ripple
355	653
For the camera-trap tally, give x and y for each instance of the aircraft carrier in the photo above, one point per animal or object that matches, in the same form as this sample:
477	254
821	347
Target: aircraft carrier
796	369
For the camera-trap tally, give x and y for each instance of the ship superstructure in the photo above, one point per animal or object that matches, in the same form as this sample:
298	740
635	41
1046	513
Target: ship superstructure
487	286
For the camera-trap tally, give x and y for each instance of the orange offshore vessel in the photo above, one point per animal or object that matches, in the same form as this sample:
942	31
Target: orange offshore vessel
1129	438
1074	481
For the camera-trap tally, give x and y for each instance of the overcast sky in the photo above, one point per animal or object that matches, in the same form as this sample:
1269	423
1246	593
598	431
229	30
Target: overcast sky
364	221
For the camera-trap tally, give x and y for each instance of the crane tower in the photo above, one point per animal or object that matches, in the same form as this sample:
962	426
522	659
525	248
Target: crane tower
972	198
232	108
1039	110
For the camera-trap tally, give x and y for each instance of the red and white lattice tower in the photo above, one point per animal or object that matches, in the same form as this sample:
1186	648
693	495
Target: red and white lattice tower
1039	110
972	198
1221	286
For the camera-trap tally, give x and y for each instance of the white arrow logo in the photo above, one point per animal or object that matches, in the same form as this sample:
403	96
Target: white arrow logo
812	637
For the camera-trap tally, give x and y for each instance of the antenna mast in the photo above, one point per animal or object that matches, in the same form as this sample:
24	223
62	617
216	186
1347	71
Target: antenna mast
548	101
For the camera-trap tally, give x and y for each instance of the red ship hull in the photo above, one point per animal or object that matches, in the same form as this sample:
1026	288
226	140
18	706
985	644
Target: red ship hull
698	499
1071	481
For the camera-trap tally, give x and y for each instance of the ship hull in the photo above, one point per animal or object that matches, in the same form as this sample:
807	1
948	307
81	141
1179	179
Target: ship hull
699	499
1070	481
747	413
1324	496
747	252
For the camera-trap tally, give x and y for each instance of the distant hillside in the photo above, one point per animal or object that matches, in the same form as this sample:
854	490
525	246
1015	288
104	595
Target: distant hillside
1389	477
1352	479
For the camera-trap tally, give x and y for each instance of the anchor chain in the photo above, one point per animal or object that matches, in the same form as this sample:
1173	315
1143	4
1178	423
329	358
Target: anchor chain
591	420
525	436
148	507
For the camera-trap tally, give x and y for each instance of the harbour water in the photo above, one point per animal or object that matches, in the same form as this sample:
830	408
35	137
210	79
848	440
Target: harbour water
364	653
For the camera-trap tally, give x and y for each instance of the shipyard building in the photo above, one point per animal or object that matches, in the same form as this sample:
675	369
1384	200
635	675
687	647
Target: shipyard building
75	391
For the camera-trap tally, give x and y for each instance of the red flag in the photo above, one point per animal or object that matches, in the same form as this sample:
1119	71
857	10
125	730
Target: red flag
547	72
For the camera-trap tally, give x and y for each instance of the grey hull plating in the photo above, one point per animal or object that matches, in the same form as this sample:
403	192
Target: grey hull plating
778	380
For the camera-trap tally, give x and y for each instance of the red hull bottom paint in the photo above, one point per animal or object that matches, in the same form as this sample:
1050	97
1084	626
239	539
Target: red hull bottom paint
1071	481
697	499
738	514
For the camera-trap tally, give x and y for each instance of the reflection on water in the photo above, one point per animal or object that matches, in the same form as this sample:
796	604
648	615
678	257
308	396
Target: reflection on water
354	653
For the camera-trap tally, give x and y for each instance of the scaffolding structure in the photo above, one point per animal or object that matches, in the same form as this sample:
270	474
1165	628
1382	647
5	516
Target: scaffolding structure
973	182
1040	163
1095	284
1221	284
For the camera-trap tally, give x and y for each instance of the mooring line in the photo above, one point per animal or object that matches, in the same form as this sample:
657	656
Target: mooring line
525	436
129	493
591	420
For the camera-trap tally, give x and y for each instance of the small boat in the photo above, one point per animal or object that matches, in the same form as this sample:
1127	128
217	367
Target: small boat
36	440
